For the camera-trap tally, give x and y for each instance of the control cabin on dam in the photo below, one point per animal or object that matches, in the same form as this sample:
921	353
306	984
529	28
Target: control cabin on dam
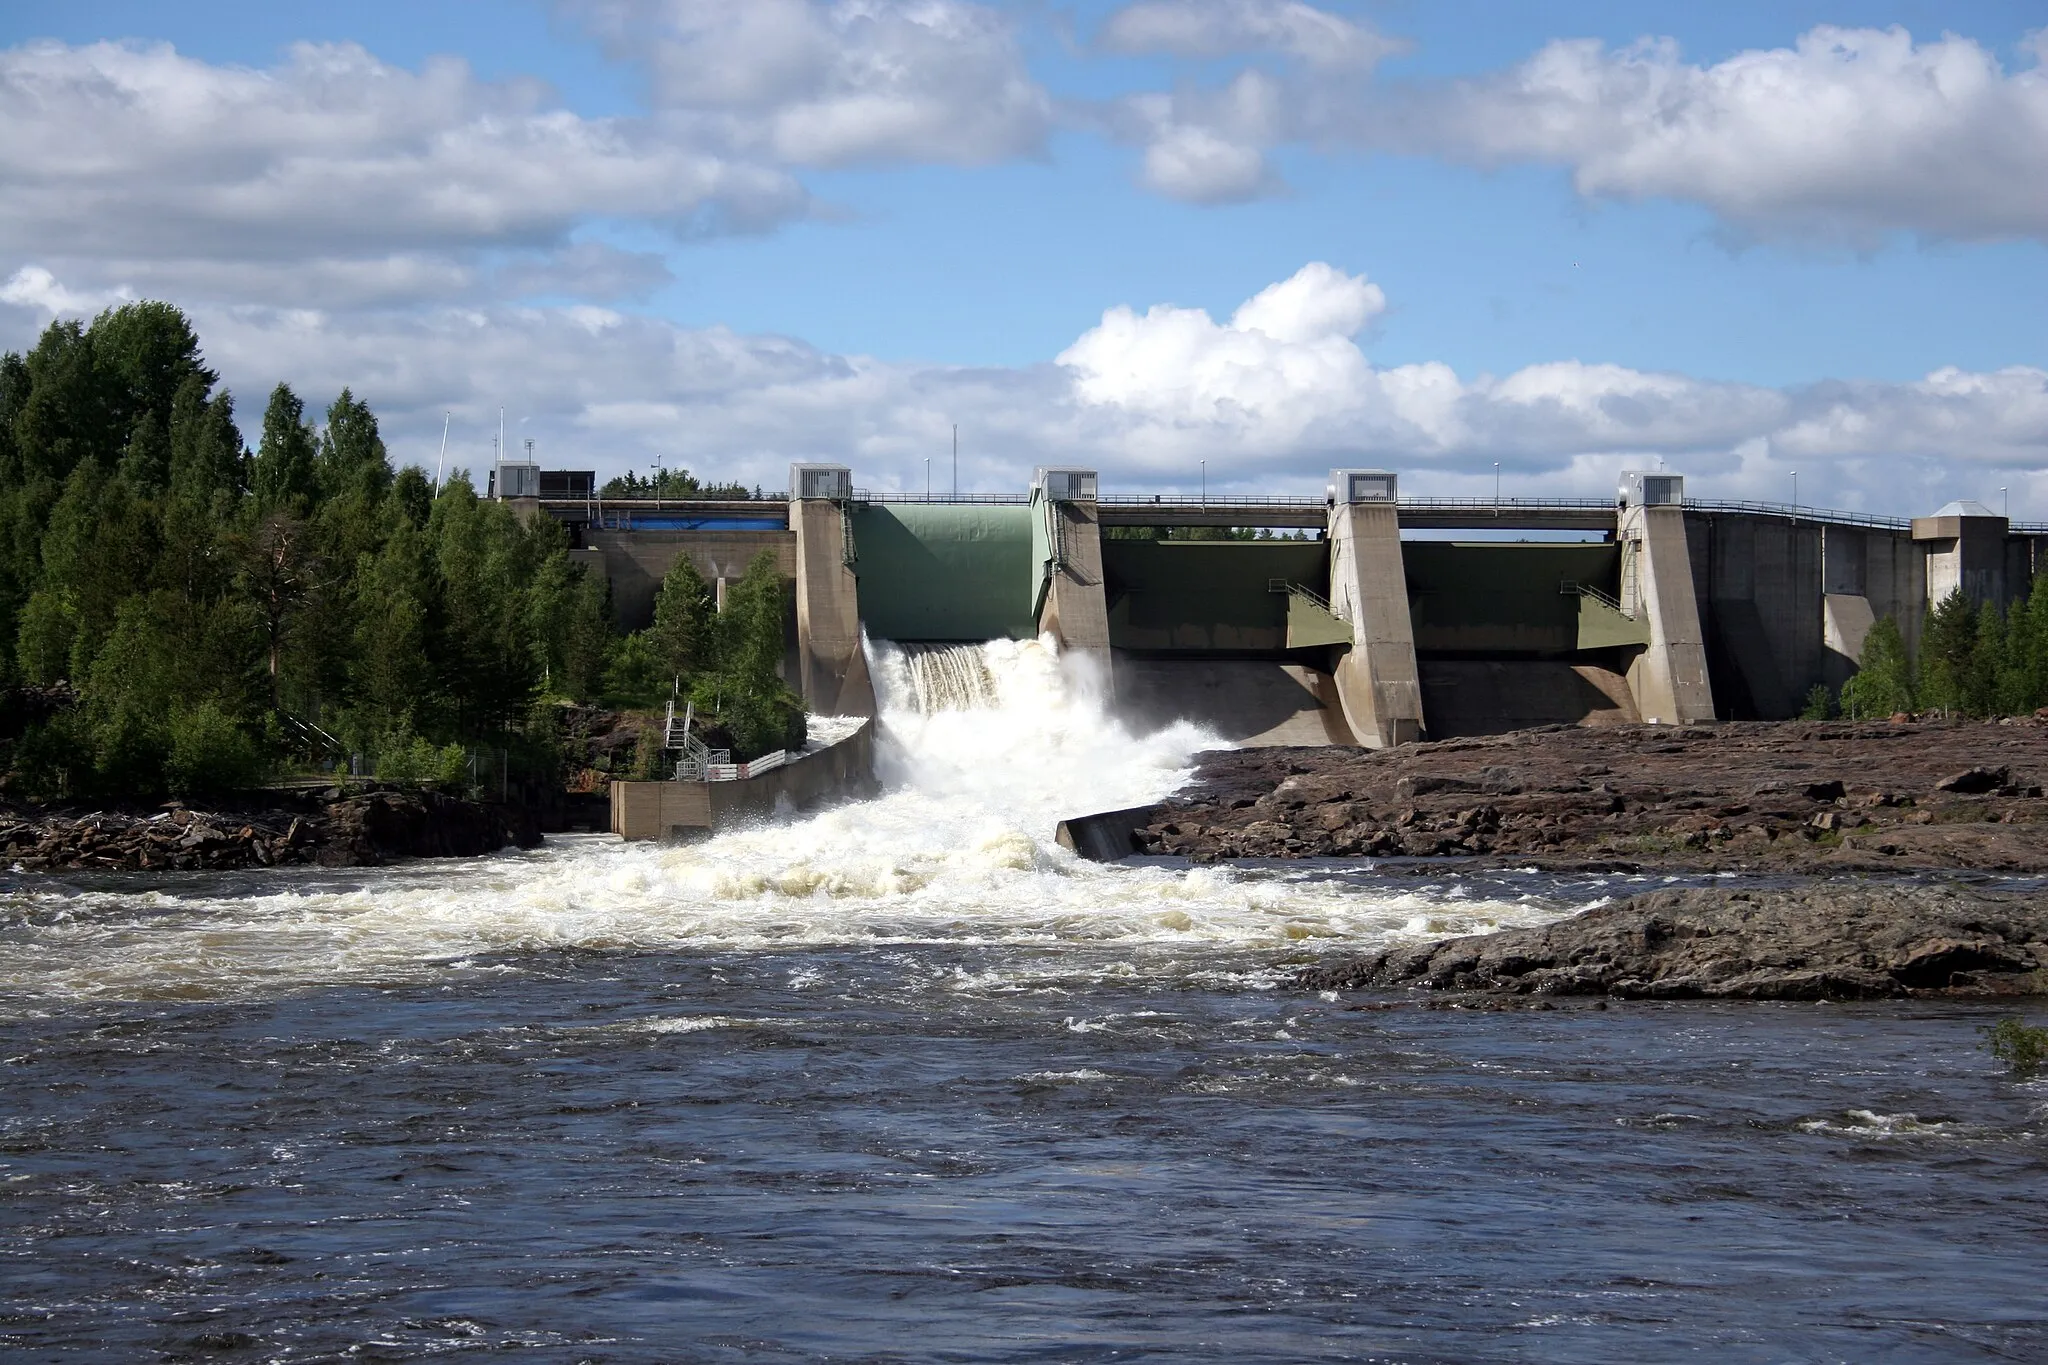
1357	617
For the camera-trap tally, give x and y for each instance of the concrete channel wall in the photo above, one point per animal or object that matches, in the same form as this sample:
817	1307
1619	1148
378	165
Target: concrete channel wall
680	810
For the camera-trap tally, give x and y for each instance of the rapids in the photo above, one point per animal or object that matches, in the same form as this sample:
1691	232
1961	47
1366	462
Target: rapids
982	750
905	1081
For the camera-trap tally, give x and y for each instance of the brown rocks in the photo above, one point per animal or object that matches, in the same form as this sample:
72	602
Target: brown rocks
366	828
1823	941
1794	795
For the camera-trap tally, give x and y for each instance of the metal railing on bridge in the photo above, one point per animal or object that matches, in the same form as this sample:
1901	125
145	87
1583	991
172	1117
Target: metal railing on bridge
620	515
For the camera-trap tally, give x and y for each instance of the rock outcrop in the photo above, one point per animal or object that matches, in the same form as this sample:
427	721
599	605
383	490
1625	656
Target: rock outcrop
332	829
1790	795
1824	941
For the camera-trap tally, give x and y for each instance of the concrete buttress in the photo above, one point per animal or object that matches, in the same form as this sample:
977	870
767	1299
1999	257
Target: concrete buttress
1669	678
1377	679
1076	609
834	672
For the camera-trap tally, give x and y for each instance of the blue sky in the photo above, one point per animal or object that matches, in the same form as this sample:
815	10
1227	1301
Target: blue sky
1756	244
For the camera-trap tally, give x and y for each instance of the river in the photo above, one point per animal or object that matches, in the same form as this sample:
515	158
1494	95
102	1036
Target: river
905	1082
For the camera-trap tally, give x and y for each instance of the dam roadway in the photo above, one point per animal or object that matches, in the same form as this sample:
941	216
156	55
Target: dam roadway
1365	620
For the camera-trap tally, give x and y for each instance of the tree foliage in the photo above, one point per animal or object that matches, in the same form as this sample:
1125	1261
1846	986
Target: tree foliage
1973	661
195	595
677	484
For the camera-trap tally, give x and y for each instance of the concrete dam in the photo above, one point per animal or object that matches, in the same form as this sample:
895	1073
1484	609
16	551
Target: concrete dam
1370	623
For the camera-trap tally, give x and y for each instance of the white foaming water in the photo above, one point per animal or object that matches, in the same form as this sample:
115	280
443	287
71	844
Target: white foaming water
982	750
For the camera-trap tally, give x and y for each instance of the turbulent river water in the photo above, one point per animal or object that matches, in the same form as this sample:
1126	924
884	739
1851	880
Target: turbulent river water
904	1081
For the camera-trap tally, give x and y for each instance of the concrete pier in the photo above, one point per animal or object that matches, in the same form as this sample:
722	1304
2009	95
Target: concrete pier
832	668
1074	608
1377	679
1669	678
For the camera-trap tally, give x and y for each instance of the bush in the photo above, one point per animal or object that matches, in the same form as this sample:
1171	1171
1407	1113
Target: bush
211	753
650	760
634	676
1820	703
51	761
409	761
2019	1045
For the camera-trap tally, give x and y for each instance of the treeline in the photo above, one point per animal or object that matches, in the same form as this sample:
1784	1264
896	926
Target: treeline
1972	661
678	484
179	612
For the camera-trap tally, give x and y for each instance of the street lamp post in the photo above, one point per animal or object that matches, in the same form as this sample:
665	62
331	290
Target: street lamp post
1795	492
1205	483
927	478
1496	485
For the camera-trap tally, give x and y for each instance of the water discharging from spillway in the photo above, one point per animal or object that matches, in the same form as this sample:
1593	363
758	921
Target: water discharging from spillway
983	749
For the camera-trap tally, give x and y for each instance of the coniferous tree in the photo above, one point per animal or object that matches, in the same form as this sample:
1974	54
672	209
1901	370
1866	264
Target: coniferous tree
1987	660
1883	683
685	622
284	477
188	590
1947	653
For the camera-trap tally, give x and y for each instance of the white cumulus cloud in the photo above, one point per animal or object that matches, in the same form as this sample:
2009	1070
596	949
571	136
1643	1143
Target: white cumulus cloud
835	82
1227	28
1850	133
1271	397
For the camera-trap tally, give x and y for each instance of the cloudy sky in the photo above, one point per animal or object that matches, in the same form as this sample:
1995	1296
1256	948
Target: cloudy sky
1276	236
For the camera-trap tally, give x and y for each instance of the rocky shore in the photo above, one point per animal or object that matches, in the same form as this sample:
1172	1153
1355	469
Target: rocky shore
1825	797
330	827
1823	941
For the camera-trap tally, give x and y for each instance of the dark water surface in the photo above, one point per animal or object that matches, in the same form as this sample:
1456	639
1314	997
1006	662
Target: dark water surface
971	1152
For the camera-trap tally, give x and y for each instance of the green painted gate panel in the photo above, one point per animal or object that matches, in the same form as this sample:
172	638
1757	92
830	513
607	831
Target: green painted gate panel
945	572
1207	595
1502	597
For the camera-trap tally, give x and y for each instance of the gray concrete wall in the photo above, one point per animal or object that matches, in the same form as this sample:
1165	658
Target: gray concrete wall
832	668
1075	610
1493	696
1758	586
1250	702
1668	678
1376	677
635	562
669	810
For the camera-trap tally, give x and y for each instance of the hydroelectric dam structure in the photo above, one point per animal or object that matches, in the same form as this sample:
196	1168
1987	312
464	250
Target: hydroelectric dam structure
1367	619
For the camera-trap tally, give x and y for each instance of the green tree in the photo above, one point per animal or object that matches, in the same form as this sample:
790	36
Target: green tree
285	477
1883	684
2027	650
397	687
1948	647
211	752
633	674
206	446
568	622
1979	686
353	463
685	633
485	558
747	693
146	352
99	549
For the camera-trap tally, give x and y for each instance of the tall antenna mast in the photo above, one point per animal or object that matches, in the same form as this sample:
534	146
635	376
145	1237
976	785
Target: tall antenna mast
442	463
